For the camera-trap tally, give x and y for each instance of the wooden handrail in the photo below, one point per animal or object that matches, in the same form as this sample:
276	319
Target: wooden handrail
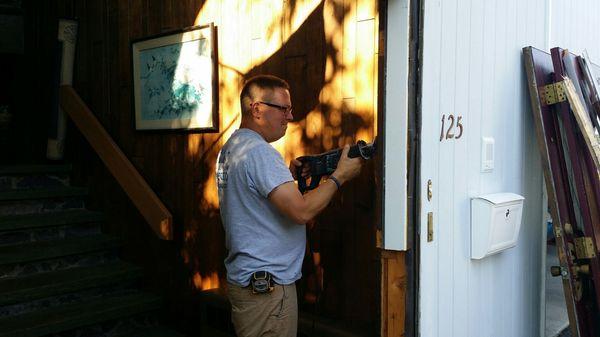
142	196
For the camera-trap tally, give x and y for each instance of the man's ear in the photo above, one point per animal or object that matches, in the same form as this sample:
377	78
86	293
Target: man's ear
255	110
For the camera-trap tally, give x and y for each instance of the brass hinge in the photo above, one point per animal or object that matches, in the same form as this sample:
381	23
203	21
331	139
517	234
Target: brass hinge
553	93
584	248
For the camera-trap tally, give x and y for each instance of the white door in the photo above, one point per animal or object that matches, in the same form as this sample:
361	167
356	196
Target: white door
472	87
444	182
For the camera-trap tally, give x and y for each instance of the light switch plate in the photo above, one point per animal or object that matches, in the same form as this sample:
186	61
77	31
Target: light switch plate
487	154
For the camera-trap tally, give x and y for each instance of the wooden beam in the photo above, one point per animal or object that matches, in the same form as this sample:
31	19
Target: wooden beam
393	293
583	119
143	197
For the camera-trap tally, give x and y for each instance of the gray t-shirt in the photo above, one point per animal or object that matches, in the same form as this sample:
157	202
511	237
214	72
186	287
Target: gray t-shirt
257	235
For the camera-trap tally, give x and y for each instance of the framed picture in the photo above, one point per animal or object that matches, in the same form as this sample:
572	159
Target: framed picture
175	81
10	6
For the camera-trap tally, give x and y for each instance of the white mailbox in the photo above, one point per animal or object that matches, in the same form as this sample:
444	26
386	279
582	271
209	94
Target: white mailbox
495	223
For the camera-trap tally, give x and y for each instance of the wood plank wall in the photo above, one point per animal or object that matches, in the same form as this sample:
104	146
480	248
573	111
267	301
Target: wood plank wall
327	50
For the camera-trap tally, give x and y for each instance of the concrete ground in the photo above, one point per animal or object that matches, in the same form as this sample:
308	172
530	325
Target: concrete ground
566	333
557	320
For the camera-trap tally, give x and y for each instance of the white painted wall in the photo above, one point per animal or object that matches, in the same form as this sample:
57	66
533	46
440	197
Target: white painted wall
472	67
575	26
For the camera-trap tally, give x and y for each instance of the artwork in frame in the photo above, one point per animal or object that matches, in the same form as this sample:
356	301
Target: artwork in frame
10	4
175	81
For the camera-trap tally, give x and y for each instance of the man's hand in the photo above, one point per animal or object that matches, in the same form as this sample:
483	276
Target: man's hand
347	168
302	208
294	163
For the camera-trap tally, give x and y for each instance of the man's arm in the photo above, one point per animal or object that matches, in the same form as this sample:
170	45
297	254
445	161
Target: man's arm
301	208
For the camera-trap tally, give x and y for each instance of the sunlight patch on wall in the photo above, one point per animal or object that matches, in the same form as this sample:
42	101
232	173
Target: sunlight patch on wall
365	64
301	12
206	282
349	52
251	32
292	149
314	124
280	144
365	134
193	145
210	200
267	22
230	102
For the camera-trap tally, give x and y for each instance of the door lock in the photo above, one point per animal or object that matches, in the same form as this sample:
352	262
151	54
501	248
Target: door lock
429	226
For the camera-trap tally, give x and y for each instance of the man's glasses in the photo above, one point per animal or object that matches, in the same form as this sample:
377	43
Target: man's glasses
285	109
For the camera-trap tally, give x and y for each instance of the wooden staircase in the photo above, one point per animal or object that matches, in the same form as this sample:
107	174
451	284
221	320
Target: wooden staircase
59	274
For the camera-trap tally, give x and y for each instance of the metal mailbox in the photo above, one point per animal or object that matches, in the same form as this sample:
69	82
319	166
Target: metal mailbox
495	223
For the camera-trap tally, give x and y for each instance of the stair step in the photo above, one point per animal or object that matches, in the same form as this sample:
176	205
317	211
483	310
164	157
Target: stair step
56	192
44	250
33	181
42	285
72	316
209	331
159	331
29	221
34	169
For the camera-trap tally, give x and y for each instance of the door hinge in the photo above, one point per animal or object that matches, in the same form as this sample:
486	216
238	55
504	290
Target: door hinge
553	93
584	248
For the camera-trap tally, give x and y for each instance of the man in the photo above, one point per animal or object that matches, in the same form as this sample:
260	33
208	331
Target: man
263	212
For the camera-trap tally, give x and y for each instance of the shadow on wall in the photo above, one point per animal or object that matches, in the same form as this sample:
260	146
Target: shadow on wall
311	61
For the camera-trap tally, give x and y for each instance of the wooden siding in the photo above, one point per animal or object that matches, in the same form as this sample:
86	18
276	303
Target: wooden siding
327	50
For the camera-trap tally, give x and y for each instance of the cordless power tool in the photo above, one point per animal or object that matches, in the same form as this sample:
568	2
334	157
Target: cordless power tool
325	163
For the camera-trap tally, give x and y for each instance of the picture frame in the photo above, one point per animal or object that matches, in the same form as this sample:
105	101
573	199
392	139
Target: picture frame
11	6
175	80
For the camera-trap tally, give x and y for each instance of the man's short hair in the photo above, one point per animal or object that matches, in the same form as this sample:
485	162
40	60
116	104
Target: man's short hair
263	82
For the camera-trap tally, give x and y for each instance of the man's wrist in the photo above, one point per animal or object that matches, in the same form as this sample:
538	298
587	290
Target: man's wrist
337	183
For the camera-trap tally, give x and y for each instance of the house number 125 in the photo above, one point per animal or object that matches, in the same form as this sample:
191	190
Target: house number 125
449	132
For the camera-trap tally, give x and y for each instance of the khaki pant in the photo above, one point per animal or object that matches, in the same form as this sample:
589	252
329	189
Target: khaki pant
264	315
